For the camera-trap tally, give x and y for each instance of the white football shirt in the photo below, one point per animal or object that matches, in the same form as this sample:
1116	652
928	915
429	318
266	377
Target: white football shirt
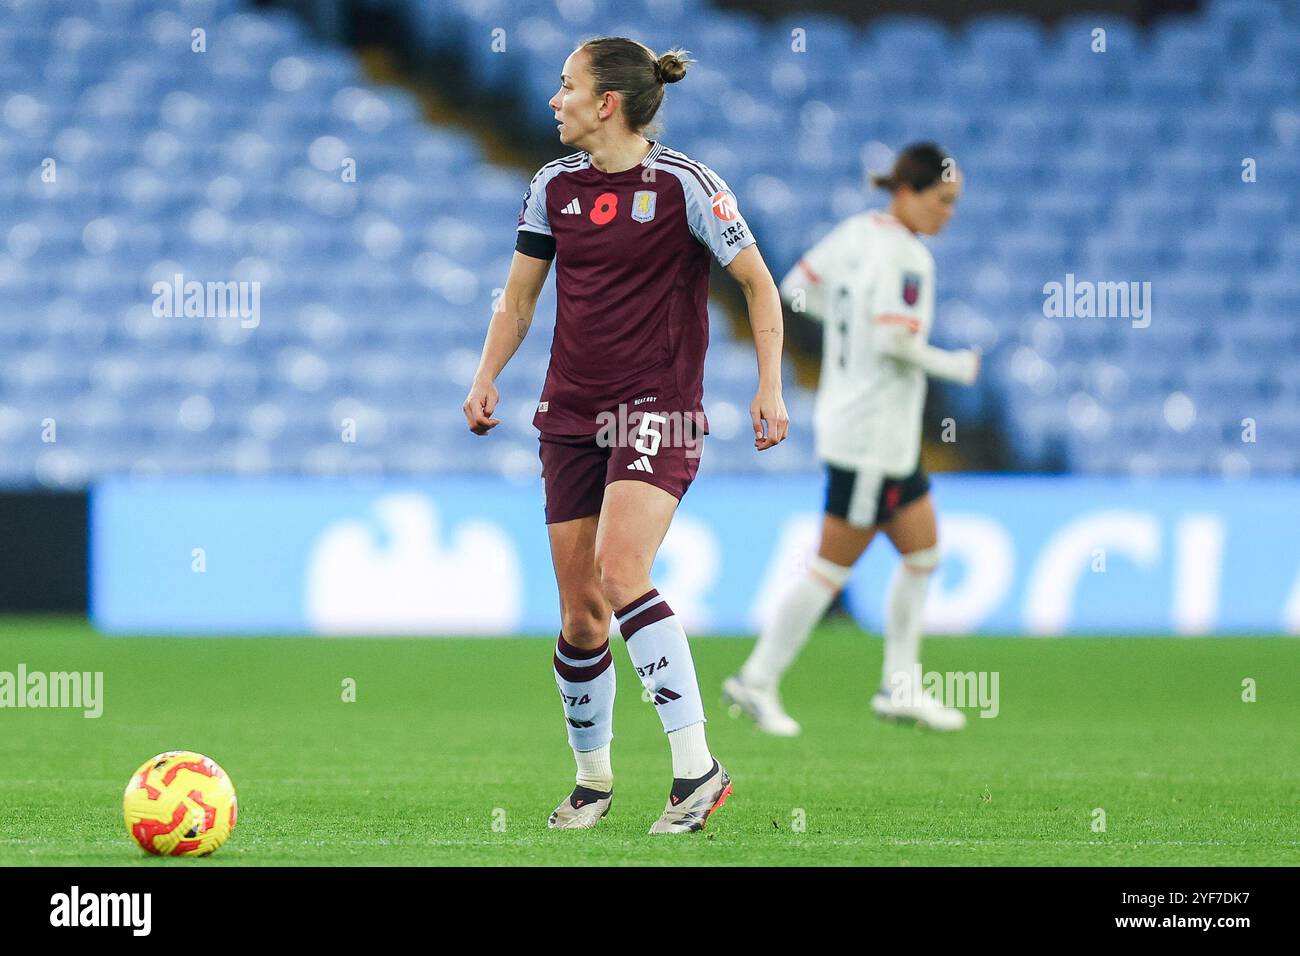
868	280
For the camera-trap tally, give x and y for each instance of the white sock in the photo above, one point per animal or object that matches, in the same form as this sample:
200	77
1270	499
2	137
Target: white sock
691	757
787	630
662	657
594	769
906	605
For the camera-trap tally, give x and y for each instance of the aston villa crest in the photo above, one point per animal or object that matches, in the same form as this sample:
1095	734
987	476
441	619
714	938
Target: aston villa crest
643	205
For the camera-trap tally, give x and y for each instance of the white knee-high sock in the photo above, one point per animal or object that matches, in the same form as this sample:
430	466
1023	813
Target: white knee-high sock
587	686
906	605
797	613
661	654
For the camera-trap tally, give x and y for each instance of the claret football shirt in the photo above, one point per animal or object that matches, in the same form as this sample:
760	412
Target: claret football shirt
632	253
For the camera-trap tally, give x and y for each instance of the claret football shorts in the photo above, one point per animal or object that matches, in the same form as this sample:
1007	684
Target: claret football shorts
575	471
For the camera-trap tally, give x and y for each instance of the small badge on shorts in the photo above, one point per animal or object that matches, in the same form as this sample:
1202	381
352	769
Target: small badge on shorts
911	287
643	205
543	406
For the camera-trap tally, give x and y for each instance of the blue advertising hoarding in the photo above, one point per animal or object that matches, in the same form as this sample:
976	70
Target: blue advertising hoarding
470	556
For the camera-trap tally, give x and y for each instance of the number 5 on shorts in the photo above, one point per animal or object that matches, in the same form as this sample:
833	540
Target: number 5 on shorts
645	433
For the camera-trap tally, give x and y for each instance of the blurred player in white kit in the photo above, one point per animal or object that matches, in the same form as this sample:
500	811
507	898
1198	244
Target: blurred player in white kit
870	282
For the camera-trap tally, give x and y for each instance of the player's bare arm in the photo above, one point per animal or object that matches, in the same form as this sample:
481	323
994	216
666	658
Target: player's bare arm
511	320
766	322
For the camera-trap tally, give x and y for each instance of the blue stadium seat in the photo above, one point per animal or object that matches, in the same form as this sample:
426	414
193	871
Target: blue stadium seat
1122	165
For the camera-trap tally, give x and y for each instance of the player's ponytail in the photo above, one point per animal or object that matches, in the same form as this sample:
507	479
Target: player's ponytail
671	67
919	166
632	70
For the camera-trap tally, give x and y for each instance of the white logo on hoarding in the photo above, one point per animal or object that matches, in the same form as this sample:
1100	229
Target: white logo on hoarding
1050	590
394	575
987	555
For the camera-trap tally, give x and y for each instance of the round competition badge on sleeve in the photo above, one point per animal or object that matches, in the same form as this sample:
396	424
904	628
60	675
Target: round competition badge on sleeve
724	205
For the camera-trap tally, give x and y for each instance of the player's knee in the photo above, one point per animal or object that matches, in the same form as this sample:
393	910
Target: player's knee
586	622
833	575
617	579
924	560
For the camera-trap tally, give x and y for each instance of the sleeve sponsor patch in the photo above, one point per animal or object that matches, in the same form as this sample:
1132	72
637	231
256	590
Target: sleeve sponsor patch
724	205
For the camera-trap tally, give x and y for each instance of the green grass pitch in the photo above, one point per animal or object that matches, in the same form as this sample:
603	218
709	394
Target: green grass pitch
448	737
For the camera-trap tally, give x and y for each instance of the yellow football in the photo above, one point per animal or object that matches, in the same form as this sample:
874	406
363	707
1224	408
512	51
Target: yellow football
180	803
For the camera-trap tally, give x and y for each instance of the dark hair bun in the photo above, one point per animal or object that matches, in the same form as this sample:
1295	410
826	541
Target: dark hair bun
671	67
635	71
919	166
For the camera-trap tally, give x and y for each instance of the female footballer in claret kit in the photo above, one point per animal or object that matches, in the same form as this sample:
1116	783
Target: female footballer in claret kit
632	226
871	282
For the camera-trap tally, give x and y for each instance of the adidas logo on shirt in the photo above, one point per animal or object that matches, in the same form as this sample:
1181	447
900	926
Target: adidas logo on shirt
641	464
572	209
